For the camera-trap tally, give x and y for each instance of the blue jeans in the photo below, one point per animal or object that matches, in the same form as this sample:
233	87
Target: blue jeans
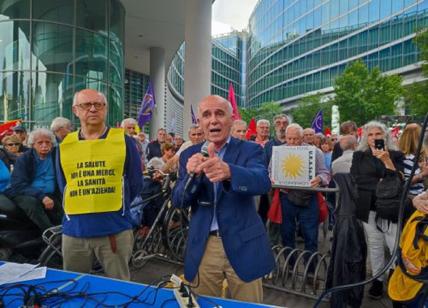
308	223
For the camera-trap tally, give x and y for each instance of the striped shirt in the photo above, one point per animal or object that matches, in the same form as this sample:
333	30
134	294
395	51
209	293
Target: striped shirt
416	188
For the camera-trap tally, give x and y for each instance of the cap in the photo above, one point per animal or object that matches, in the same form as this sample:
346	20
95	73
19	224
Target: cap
19	128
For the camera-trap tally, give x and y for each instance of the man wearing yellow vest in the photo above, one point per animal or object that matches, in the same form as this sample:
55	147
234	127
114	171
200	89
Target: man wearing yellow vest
99	174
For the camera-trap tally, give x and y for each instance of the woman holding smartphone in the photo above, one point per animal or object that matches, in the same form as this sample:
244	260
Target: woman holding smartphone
376	157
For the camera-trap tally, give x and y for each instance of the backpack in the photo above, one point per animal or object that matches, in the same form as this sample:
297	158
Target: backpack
405	284
388	195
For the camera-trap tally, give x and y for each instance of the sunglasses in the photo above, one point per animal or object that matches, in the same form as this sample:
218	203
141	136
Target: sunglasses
13	144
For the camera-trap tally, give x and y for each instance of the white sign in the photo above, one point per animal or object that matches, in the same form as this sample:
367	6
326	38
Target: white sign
293	165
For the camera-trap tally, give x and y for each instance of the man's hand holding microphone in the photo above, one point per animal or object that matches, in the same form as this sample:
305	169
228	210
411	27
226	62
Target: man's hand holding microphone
215	169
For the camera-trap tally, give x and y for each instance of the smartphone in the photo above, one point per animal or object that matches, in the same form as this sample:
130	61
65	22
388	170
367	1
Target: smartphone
379	144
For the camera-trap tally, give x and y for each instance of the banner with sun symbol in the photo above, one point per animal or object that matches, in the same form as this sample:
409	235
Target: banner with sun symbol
293	165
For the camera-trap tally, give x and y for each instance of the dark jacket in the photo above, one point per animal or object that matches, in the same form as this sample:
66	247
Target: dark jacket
153	150
23	175
8	158
268	148
242	232
337	152
367	170
348	267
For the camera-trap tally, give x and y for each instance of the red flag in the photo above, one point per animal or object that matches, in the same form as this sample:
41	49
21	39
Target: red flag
251	129
231	99
327	132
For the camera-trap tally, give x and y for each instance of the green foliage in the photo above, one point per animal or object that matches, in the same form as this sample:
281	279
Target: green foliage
364	95
421	41
265	111
415	95
416	98
308	107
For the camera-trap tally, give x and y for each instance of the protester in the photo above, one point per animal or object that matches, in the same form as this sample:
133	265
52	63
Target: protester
369	166
98	221
154	147
129	125
262	130
326	146
299	205
408	144
33	185
222	244
13	145
308	136
178	142
21	133
239	129
348	144
168	152
142	138
61	127
346	128
280	121
318	139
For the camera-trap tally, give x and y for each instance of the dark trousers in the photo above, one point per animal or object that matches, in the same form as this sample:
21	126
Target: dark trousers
308	223
35	210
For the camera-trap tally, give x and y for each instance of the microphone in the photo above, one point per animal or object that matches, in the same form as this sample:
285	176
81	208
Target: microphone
204	152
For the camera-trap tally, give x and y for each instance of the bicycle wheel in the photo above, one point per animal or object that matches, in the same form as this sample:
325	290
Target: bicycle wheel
174	232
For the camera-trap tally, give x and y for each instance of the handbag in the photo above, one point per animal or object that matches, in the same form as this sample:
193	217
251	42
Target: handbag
388	195
300	198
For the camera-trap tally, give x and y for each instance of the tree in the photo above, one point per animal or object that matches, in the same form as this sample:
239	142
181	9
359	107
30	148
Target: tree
265	111
307	108
364	95
415	95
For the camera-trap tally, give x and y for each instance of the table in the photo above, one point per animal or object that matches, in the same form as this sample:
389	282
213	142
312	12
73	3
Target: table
108	292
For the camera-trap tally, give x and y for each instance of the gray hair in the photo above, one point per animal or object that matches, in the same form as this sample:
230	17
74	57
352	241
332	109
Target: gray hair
239	122
348	142
280	116
41	132
128	121
60	122
295	126
263	121
364	146
78	92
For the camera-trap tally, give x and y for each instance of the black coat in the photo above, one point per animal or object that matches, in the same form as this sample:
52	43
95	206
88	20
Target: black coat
367	170
349	249
153	150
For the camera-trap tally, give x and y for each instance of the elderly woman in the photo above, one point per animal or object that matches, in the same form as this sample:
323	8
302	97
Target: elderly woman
369	165
13	145
33	183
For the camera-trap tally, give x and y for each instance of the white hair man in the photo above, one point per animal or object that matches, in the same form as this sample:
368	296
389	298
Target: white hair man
33	186
98	185
61	127
129	125
239	128
262	129
301	205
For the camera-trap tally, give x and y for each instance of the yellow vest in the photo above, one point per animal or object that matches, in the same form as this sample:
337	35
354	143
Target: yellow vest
414	249
93	170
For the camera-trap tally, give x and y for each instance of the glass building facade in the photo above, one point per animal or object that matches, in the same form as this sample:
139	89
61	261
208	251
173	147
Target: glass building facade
299	47
49	49
227	61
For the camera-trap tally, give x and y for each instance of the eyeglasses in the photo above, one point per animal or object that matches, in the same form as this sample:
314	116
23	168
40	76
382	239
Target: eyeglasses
88	105
13	144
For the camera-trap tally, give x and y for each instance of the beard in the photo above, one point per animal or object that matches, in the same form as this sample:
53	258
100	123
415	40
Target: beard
280	134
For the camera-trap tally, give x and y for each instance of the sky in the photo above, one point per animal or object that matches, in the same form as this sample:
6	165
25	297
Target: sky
231	15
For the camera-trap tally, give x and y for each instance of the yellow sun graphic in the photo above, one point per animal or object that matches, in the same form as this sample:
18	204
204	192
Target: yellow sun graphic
292	166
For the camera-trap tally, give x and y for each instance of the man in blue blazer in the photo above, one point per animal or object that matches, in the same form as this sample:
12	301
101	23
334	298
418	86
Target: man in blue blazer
227	239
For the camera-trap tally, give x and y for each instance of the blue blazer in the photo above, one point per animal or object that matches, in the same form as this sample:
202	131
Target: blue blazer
242	232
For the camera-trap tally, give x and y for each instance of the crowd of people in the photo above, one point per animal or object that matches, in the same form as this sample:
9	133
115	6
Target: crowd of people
228	188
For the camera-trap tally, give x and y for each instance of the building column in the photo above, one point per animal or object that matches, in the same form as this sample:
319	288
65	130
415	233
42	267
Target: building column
157	77
197	64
